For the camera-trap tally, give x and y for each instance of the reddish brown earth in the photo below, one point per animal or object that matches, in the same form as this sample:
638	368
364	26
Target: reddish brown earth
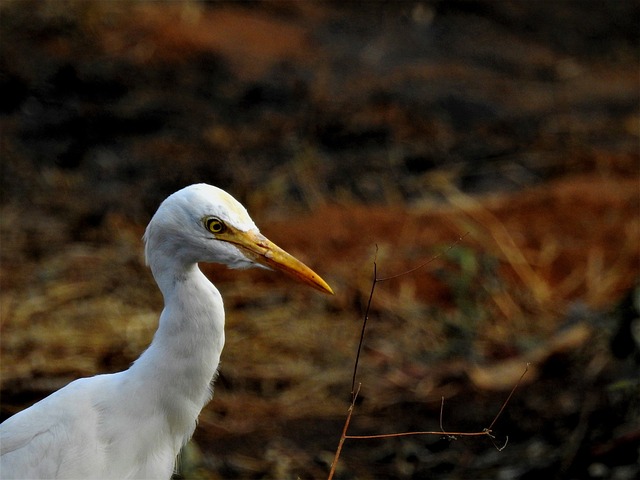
492	144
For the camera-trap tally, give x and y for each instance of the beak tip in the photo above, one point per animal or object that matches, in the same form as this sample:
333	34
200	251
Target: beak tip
321	285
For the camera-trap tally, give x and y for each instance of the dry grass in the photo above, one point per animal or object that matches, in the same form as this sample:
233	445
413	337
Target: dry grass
529	283
528	256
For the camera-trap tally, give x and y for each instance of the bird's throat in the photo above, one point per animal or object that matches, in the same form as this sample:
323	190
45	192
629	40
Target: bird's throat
183	357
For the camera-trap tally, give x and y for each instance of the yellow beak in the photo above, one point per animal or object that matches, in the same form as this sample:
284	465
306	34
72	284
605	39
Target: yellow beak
263	251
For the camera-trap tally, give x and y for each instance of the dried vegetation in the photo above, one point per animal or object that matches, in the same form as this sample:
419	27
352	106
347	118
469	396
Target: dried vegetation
340	146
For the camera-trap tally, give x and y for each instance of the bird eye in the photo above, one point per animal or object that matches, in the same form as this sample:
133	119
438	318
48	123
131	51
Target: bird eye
214	225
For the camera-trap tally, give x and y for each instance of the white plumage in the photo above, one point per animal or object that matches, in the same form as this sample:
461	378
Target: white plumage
132	424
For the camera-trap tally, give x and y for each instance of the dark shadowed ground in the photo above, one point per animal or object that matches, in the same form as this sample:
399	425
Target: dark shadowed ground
342	128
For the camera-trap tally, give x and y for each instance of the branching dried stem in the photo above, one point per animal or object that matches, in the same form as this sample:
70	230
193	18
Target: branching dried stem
344	435
377	280
364	326
488	432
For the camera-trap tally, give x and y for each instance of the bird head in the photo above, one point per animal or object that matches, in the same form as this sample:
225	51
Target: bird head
203	223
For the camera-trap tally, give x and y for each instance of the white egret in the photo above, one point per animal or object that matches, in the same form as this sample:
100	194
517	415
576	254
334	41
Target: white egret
132	424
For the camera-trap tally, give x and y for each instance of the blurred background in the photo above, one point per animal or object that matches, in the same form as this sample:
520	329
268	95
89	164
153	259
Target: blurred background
352	132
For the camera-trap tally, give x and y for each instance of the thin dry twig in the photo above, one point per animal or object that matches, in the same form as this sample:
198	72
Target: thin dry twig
364	324
451	435
377	280
344	436
488	432
508	399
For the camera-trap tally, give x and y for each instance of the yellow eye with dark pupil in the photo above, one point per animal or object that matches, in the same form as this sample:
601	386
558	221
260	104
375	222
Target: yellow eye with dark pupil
215	225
